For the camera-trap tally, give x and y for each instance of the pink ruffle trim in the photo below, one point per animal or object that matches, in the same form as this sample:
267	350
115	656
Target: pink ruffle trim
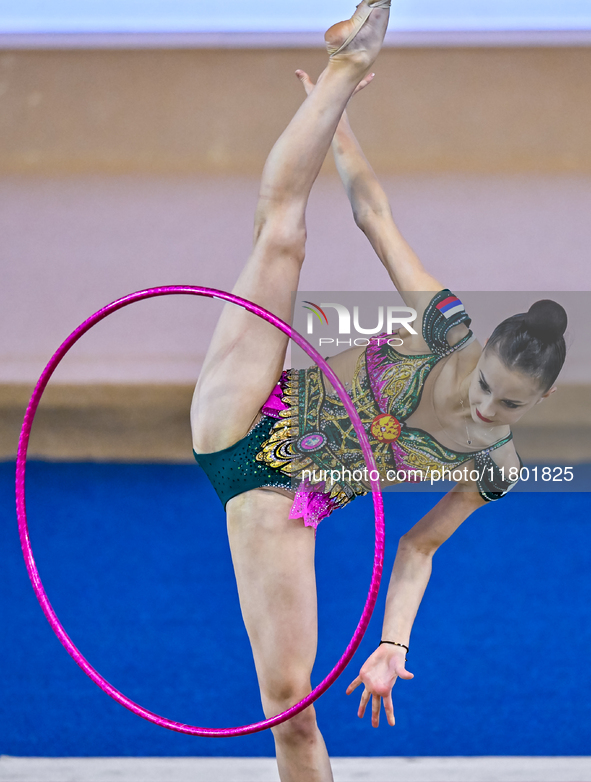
309	504
312	506
275	404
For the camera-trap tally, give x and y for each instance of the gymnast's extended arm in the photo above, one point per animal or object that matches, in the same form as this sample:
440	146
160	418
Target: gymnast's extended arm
410	575
371	208
373	215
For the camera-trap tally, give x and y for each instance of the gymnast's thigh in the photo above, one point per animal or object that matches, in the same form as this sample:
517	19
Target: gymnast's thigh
273	558
246	354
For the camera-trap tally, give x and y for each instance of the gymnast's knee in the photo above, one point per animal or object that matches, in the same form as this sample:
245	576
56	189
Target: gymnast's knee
299	730
280	234
280	696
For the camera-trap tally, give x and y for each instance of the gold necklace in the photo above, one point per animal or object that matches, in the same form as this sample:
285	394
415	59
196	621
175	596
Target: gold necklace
468	435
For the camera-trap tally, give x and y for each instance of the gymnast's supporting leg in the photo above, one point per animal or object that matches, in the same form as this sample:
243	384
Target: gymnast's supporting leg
273	555
273	559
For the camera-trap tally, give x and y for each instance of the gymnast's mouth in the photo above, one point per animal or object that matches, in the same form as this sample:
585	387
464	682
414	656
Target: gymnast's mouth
482	418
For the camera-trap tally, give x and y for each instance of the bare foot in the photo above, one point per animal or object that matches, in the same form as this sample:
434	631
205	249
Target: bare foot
360	38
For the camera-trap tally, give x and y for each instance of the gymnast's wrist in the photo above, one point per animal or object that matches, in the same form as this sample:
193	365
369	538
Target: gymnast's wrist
394	645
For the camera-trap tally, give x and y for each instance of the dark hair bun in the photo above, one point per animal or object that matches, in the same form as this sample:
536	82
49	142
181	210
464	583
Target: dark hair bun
546	320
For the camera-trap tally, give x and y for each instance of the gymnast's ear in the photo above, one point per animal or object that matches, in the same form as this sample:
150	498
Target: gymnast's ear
548	393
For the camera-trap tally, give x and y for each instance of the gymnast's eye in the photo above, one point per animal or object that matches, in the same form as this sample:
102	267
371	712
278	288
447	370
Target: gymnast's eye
484	385
509	404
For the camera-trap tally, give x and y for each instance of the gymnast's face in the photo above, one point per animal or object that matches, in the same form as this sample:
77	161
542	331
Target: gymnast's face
501	396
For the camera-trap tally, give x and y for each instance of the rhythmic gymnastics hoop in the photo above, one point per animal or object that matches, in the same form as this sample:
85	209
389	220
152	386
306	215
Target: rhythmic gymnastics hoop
28	552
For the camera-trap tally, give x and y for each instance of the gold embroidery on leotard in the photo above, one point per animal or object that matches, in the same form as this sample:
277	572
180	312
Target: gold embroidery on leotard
314	440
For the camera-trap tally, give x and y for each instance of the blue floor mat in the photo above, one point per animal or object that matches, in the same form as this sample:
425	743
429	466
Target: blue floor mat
136	563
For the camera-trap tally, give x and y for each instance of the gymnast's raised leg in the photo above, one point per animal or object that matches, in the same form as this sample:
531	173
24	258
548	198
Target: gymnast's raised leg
273	555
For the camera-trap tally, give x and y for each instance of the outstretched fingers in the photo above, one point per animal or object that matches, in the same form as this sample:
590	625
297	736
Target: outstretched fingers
378	676
307	82
363	703
365	696
364	82
309	85
376	704
354	685
389	709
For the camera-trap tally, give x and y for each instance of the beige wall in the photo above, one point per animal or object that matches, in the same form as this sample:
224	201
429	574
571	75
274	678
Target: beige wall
70	244
151	423
125	169
429	110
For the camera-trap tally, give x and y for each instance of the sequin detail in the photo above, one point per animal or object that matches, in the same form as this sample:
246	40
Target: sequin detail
311	442
386	428
235	470
312	505
386	389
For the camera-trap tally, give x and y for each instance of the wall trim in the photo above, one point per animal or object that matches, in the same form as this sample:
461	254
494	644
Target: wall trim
295	40
150	423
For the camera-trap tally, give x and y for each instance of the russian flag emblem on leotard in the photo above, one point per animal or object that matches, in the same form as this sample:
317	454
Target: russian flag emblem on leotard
450	306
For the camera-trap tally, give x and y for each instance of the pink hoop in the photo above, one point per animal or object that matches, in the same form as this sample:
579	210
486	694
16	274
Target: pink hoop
28	553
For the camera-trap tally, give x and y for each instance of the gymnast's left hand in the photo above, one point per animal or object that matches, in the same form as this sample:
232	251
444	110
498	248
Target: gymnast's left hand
379	674
309	85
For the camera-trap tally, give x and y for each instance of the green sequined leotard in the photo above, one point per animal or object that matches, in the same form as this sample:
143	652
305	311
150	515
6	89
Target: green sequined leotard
311	444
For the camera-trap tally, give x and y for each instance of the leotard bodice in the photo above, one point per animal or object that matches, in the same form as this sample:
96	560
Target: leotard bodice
313	439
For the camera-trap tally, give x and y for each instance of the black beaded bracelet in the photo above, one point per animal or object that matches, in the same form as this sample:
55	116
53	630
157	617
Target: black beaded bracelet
395	643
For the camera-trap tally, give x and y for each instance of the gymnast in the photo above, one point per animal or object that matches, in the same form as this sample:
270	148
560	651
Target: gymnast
437	401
